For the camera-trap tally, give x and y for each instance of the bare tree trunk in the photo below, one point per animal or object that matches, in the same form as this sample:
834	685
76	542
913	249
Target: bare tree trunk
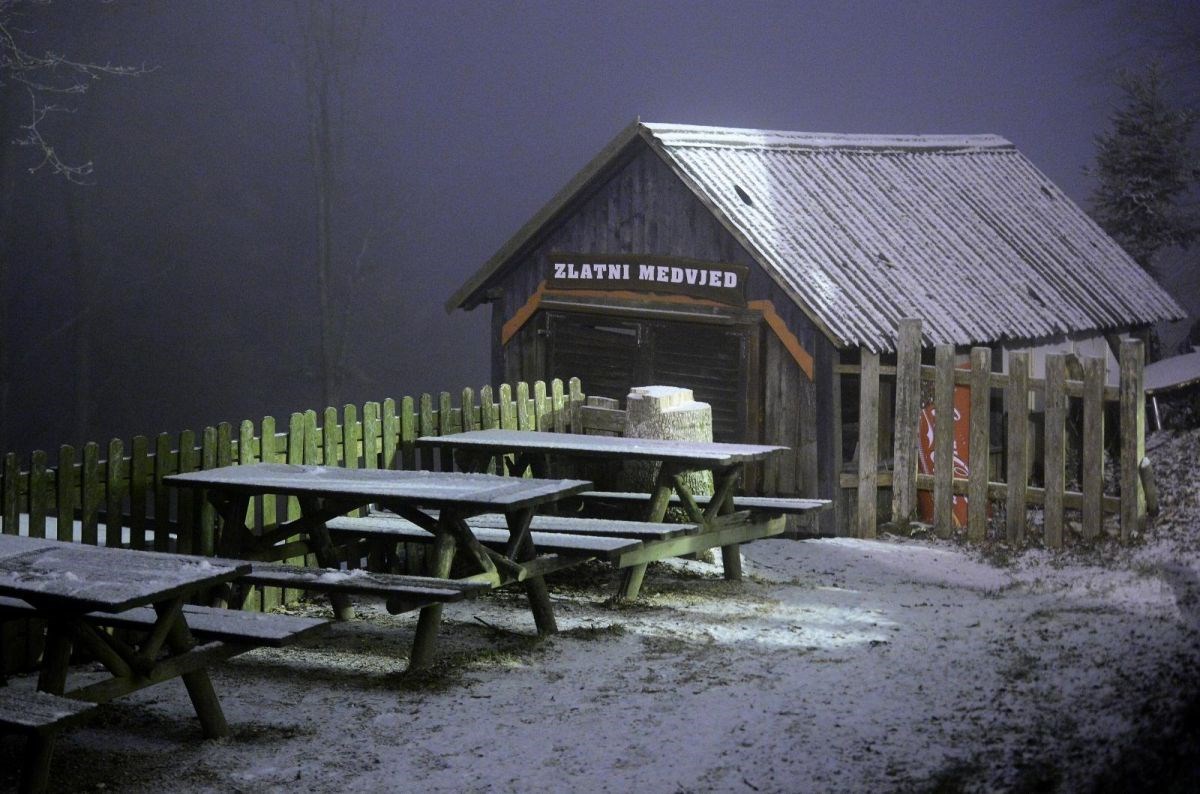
318	67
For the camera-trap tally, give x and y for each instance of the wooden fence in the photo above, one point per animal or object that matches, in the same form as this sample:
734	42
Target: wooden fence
121	498
1055	392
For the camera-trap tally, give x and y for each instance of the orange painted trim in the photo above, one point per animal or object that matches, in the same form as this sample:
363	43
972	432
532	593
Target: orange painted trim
789	340
522	315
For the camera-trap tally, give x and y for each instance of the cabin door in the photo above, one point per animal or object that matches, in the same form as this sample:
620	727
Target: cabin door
610	356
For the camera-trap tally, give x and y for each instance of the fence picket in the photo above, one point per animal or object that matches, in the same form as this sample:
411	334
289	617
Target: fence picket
139	475
1055	449
408	434
908	414
162	494
1093	446
943	442
65	501
370	435
508	415
114	495
576	399
980	445
389	432
39	494
524	418
11	510
186	509
1133	437
1016	403
868	444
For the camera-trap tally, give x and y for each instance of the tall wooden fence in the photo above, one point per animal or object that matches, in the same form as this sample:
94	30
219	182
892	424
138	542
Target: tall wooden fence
116	494
981	487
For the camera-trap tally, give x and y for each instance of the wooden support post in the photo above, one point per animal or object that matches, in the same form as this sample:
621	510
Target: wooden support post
908	417
430	619
868	444
1093	447
1016	403
943	442
980	450
1055	454
1133	437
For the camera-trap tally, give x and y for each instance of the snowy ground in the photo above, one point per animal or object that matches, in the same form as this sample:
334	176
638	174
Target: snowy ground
840	665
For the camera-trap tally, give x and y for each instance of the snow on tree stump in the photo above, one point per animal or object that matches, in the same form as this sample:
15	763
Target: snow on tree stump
667	412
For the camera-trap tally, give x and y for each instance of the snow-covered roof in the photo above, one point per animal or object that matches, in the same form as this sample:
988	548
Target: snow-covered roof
860	231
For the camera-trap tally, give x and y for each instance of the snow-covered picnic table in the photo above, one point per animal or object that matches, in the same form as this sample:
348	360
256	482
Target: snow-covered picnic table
721	520
438	502
74	588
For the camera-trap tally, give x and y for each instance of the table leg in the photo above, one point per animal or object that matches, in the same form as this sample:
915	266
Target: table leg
430	619
632	577
199	685
322	546
35	775
56	656
535	587
722	504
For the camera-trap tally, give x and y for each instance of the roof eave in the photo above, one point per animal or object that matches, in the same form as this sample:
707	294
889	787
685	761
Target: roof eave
471	294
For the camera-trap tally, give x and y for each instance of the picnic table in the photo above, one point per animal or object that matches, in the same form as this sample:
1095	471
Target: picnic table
720	520
74	588
438	502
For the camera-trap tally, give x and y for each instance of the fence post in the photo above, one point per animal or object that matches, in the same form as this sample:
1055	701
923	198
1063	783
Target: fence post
943	442
1055	455
868	443
908	417
981	443
1133	437
1016	403
113	493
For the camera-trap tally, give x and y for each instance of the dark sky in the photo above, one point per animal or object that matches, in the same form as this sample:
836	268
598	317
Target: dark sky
179	286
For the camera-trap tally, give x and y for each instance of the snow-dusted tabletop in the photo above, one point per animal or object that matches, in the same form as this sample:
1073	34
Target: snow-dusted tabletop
485	492
86	578
701	454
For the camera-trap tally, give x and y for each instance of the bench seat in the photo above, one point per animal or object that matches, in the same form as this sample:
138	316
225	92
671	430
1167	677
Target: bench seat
495	535
206	623
761	504
30	711
423	590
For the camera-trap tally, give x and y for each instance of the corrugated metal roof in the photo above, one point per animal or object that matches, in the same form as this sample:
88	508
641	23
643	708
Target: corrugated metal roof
960	231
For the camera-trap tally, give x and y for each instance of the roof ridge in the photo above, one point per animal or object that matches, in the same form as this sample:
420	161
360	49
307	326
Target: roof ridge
695	136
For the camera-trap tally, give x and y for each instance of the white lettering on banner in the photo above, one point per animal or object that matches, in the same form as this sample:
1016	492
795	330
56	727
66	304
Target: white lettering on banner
560	270
645	272
730	279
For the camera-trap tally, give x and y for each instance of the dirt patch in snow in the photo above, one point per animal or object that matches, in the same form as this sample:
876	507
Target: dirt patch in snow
838	665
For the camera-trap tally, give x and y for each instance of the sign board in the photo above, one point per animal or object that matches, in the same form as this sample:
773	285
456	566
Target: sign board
664	275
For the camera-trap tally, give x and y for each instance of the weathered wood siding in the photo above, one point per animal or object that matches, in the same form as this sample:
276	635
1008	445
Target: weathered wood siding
642	207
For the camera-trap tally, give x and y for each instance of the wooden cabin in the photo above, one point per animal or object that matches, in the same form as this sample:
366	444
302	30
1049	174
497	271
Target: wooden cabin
747	265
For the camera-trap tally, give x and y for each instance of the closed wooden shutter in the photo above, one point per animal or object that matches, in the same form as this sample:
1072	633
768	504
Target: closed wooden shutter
602	352
709	360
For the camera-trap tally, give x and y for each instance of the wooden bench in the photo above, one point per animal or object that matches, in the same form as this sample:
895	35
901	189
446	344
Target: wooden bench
206	623
777	505
568	538
629	545
39	716
402	593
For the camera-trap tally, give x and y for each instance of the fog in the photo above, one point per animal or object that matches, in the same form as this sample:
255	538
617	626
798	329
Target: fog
177	287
